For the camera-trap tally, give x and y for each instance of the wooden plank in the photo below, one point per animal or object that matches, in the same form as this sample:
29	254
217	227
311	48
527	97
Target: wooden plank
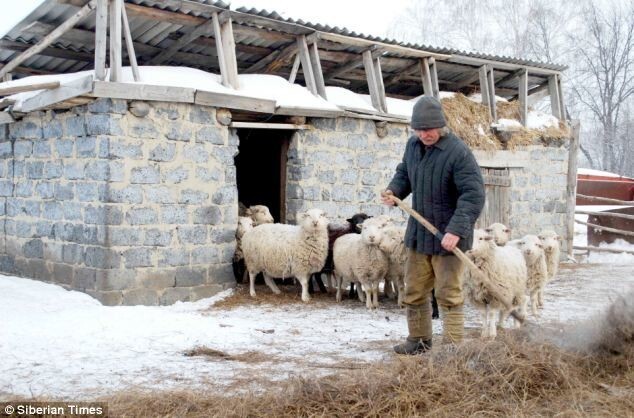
371	80
156	14
184	40
130	46
378	75
523	97
101	36
304	111
605	228
603	249
132	91
261	125
229	50
291	78
48	51
307	68
491	86
461	59
607	200
426	77
7	91
50	38
433	71
64	92
224	71
371	116
317	72
281	58
115	40
5	118
553	91
231	101
493	180
560	95
484	86
353	62
607	214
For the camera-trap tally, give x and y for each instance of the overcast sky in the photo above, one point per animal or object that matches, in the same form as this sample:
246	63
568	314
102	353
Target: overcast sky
371	17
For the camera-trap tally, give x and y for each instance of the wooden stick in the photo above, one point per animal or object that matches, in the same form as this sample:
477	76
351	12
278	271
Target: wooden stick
130	46
571	184
608	214
491	286
115	39
605	228
605	250
7	91
101	36
607	200
291	78
49	39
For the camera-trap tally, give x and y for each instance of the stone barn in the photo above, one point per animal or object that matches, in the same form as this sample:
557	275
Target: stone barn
124	182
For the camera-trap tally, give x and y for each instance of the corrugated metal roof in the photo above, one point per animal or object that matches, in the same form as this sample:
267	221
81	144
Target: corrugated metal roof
256	34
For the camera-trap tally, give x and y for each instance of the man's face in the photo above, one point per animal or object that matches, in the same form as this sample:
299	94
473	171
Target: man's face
428	136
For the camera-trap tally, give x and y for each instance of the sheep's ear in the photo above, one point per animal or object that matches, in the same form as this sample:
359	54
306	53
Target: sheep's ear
488	238
349	220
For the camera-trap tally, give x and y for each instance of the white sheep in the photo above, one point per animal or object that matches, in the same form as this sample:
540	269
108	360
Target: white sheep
279	250
245	224
259	213
506	268
359	259
535	258
500	233
552	247
393	245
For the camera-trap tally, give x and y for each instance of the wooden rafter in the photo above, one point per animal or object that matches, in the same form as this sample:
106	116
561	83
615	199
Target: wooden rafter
317	72
186	39
101	38
307	67
49	51
116	61
50	38
353	63
375	81
130	45
229	51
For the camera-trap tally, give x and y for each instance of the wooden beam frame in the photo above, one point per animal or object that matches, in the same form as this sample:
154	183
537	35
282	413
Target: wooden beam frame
433	70
428	90
352	64
229	51
375	81
65	91
291	78
101	37
492	101
523	97
222	61
186	39
7	91
307	67
130	45
49	39
317	72
115	39
484	85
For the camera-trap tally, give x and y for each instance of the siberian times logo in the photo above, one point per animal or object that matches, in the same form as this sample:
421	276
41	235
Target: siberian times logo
53	409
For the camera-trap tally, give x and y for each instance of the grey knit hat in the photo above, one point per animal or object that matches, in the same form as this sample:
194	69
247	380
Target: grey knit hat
427	114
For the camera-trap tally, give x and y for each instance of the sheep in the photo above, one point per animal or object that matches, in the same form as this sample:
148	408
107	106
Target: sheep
507	268
535	258
259	213
335	231
552	247
279	250
500	233
358	258
245	224
393	245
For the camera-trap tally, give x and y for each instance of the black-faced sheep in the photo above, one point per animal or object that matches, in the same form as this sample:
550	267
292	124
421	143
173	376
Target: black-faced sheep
279	250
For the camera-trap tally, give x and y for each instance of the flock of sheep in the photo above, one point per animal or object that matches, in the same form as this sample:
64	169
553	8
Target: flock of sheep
370	251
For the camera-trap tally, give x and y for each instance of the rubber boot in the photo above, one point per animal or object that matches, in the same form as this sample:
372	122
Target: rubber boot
452	324
420	332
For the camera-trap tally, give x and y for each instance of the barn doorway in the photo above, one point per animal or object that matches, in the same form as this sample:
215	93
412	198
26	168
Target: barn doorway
261	169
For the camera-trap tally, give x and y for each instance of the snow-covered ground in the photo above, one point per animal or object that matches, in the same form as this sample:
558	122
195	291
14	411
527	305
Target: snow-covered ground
63	344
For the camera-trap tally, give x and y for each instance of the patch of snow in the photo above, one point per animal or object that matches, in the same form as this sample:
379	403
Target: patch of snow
446	94
477	97
540	120
347	99
480	130
592	172
277	88
508	123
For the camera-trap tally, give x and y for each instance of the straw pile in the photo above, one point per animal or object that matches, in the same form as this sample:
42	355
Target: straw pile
470	121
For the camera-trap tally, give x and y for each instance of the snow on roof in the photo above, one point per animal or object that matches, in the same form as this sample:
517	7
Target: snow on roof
264	86
592	172
477	97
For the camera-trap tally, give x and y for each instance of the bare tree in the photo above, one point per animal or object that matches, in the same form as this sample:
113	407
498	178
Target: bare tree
605	75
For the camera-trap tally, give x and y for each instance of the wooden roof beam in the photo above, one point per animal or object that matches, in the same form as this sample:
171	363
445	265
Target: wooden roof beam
375	52
273	61
186	39
48	51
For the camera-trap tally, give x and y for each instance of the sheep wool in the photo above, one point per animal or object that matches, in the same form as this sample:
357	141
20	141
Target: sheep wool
535	257
500	233
393	245
281	251
359	259
552	247
502	265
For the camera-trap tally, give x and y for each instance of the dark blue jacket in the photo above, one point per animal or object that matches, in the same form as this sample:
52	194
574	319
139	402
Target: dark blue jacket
447	190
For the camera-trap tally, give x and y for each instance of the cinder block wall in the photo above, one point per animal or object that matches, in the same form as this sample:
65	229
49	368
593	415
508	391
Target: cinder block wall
132	210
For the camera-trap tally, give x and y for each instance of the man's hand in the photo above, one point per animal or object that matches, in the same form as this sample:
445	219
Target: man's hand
449	241
386	197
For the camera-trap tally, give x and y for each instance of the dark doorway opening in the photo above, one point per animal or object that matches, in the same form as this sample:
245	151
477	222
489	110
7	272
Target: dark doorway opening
261	169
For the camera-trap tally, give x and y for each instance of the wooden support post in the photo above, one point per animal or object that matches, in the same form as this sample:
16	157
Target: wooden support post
7	77
373	84
523	97
101	36
571	184
491	85
49	39
560	94
291	78
115	40
426	77
434	77
555	102
484	85
224	72
130	45
378	74
229	49
317	72
307	67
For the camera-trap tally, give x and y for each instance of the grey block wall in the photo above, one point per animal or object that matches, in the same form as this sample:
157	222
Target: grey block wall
130	210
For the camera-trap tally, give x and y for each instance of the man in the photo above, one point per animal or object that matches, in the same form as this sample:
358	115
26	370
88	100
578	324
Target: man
447	189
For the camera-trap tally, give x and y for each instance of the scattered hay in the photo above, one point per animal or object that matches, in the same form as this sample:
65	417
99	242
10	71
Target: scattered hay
211	353
506	377
291	295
